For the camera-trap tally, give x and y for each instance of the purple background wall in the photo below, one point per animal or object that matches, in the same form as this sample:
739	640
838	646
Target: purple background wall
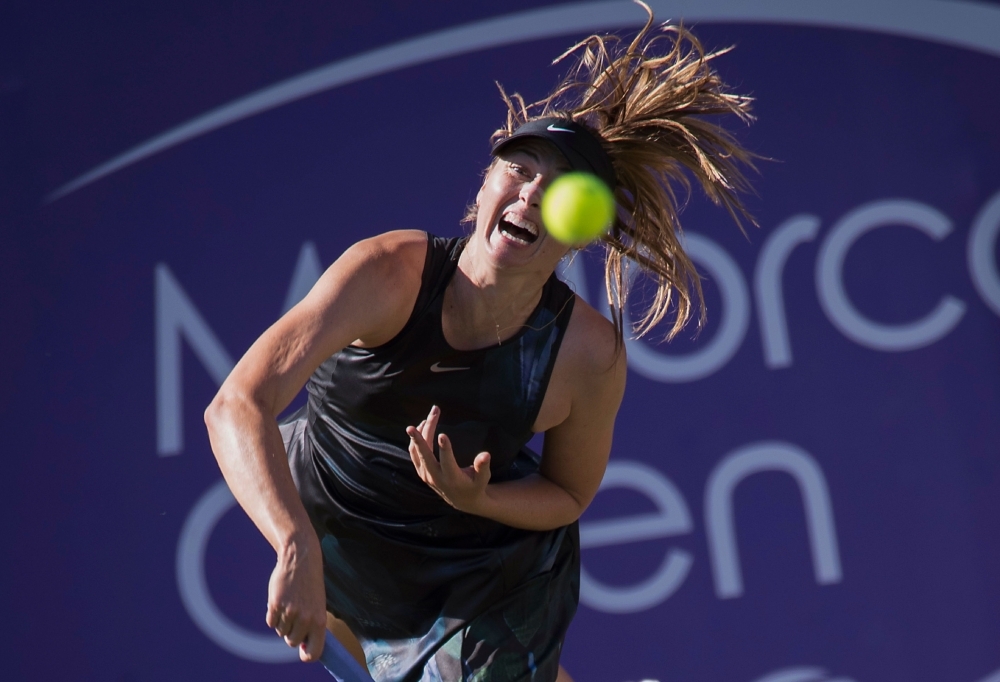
891	439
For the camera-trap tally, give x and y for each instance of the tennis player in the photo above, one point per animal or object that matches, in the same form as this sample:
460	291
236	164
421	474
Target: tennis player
406	513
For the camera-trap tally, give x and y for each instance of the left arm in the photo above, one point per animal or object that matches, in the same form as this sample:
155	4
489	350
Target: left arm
573	461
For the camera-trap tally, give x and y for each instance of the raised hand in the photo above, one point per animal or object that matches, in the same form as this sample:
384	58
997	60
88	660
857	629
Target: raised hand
462	488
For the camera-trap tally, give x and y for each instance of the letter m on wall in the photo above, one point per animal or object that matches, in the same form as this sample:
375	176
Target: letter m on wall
176	317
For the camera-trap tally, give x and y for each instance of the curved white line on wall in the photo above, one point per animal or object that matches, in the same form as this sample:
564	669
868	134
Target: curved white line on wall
995	677
959	23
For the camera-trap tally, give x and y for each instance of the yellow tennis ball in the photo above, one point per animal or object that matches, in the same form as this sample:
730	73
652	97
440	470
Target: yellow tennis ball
577	208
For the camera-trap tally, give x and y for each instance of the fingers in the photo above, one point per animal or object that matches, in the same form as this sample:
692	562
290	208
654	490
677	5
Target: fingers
431	423
460	487
421	451
273	617
297	632
479	472
422	456
426	428
414	455
312	648
450	471
281	621
287	624
481	465
302	632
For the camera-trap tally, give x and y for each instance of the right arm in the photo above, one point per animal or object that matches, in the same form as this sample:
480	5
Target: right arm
364	298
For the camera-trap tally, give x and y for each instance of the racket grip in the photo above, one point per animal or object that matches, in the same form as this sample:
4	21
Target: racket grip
339	663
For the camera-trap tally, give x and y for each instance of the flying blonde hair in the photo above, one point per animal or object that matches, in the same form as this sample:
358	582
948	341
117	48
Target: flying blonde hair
650	103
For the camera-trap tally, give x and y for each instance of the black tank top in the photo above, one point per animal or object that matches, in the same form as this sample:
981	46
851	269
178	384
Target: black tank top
362	399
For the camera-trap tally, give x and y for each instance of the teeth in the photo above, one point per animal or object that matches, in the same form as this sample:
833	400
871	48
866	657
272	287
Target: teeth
512	237
522	223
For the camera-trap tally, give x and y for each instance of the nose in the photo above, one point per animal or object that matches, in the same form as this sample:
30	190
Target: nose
531	192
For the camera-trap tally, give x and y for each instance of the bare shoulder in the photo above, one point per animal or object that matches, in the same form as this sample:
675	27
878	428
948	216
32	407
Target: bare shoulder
373	286
593	362
396	255
591	343
396	243
388	264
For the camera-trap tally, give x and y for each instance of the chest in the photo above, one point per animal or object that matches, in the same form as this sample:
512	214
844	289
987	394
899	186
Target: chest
489	398
483	325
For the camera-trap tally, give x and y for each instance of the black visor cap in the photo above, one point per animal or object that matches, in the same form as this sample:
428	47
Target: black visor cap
577	143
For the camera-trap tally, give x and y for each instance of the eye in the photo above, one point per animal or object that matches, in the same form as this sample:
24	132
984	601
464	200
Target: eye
520	170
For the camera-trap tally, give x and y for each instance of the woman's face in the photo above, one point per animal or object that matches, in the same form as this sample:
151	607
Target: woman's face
509	219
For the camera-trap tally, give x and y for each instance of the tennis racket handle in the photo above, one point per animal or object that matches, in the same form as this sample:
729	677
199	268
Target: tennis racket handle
339	663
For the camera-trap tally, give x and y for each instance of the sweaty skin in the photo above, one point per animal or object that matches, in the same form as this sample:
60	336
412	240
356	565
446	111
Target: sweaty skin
365	298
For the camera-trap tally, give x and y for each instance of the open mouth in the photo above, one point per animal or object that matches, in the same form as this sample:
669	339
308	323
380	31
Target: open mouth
518	229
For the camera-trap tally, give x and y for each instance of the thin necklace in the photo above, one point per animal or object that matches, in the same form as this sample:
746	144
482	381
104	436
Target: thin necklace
551	322
499	342
489	308
495	323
